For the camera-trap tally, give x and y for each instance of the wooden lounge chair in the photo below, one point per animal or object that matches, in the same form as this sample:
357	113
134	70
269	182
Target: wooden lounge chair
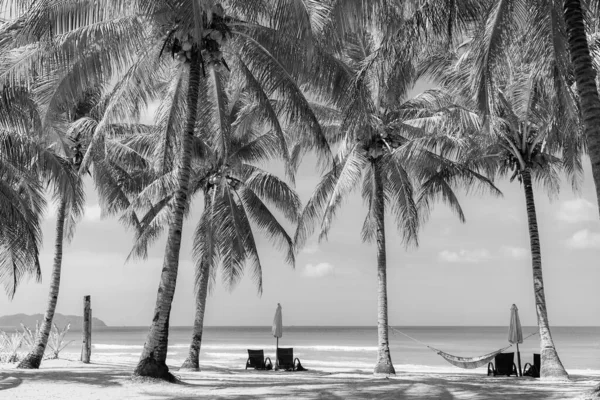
533	370
286	361
257	360
504	364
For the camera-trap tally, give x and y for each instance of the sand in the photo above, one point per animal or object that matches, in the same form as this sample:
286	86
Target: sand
64	379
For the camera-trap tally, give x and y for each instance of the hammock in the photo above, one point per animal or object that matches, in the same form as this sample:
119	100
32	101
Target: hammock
468	362
461	362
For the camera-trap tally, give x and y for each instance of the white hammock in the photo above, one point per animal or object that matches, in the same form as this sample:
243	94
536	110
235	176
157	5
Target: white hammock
461	362
468	362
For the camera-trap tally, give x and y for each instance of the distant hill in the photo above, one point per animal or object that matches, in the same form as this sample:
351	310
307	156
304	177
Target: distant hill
59	319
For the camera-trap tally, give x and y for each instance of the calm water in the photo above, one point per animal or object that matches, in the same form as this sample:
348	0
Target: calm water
344	348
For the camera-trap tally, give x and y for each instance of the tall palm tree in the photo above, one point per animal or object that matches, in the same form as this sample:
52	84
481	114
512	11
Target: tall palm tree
236	194
70	197
67	150
376	127
530	134
250	55
234	190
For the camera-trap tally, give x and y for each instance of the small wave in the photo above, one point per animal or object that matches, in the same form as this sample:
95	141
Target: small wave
319	348
104	346
338	348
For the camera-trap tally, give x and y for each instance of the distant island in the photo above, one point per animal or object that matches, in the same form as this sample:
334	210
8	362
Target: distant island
59	319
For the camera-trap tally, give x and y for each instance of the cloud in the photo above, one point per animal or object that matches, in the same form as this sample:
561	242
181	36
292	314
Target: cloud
318	271
577	210
92	213
584	239
515	252
462	256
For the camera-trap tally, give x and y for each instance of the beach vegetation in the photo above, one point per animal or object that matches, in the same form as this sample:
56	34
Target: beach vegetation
56	341
10	345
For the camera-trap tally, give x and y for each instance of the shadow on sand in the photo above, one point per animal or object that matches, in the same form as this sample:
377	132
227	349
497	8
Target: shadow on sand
238	384
9	382
100	377
322	385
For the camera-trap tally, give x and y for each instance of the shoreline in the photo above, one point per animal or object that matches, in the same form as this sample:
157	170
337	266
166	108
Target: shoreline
111	379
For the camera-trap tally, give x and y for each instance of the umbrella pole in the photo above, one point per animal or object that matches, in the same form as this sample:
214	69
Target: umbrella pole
519	360
277	355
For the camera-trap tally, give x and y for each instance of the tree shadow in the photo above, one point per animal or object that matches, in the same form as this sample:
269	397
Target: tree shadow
9	382
324	388
86	376
360	386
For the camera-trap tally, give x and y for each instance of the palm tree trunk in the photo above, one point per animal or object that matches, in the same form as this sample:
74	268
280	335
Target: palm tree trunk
192	362
384	358
34	358
551	365
153	359
585	75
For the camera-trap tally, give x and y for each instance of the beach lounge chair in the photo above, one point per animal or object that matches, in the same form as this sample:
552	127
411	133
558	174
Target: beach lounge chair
533	370
504	364
286	361
257	360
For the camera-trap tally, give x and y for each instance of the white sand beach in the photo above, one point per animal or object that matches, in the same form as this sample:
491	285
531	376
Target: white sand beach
68	379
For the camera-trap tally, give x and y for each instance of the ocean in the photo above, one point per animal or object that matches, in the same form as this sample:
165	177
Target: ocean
344	348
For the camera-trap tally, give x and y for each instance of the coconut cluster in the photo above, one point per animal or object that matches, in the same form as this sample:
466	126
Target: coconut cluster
223	173
213	37
377	146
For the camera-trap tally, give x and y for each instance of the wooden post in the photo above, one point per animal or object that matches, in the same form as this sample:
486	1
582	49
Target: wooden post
86	348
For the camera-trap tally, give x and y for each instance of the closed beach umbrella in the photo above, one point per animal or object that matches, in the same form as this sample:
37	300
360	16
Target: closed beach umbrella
515	332
277	330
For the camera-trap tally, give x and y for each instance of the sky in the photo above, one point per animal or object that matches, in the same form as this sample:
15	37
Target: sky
461	274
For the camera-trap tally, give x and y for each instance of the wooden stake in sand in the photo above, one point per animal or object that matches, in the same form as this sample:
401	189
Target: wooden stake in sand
86	347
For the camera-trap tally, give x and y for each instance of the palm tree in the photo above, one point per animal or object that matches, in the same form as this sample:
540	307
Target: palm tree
235	191
377	126
531	134
236	194
68	192
56	171
70	197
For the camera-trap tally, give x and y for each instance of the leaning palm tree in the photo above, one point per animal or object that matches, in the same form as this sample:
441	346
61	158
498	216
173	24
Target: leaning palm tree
64	116
376	128
65	155
69	195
